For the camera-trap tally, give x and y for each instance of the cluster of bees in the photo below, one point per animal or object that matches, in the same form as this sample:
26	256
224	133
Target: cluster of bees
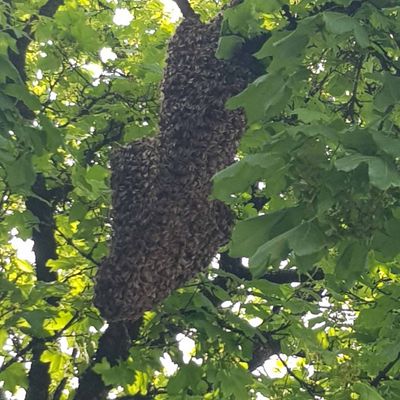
165	227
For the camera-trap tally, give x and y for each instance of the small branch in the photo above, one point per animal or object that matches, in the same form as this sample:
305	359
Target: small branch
383	374
290	18
16	358
138	396
232	3
186	9
353	100
306	386
59	390
70	242
117	130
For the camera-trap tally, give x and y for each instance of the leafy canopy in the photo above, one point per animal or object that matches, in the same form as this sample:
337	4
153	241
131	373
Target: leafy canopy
315	191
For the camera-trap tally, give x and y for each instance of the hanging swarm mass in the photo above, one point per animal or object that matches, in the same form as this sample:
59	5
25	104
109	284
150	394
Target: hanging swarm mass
165	228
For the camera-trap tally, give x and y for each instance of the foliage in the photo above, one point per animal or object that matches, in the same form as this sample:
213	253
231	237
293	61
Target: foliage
315	190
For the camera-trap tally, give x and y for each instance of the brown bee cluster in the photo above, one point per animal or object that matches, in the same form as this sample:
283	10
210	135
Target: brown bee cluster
165	228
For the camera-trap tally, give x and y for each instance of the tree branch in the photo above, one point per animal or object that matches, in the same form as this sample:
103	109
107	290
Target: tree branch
383	374
43	236
234	266
312	391
59	389
186	9
39	377
50	8
114	346
19	58
15	359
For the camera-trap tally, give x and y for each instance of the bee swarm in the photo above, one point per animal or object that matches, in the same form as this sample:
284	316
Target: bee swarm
165	228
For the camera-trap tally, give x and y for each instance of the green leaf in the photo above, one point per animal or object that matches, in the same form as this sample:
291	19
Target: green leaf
243	18
97	173
304	240
20	173
36	319
234	381
366	392
361	35
6	42
352	262
381	173
307	239
51	62
21	93
250	234
385	242
338	23
284	45
14	376
188	376
134	131
390	92
24	266
388	144
228	46
54	139
78	211
270	253
7	70
266	287
266	96
338	85
240	175
308	115
57	361
359	140
117	375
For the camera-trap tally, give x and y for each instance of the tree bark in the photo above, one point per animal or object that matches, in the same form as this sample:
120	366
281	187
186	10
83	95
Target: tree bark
114	346
44	245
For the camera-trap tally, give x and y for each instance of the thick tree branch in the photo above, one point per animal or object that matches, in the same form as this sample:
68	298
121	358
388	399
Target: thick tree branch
43	236
50	8
39	377
114	346
263	350
19	58
186	9
234	266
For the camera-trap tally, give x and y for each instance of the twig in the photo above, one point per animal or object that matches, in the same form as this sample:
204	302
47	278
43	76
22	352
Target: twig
70	242
17	356
59	390
309	388
353	100
382	374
